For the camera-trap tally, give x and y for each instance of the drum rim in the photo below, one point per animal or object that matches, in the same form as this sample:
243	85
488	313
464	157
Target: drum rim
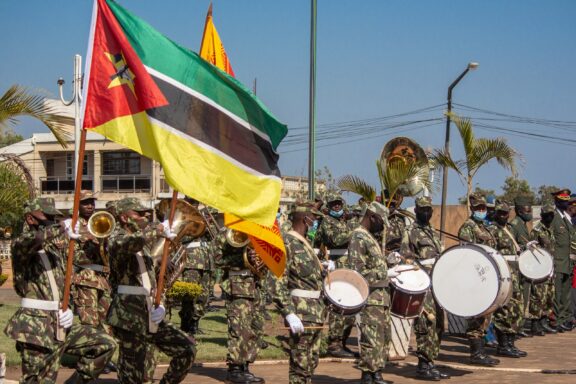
494	263
339	305
540	278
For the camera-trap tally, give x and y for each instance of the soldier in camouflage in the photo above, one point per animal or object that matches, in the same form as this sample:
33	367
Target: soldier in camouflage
509	318
334	235
542	300
137	324
474	231
423	244
239	286
365	256
42	331
298	296
396	229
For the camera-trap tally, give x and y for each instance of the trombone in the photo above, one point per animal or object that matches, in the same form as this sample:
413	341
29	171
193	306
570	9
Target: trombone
100	225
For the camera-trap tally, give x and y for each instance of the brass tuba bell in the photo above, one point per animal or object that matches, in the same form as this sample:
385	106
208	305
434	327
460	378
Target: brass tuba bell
237	239
101	224
407	150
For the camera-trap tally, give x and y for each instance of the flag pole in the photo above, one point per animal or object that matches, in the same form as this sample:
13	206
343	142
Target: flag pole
312	107
167	243
75	210
208	15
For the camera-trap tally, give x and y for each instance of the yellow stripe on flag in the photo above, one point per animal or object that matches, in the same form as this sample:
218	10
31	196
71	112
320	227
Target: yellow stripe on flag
195	170
267	241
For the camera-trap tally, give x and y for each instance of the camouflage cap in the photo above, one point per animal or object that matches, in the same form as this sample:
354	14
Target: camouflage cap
491	201
333	196
87	195
423	201
44	204
356	208
131	204
306	207
548	208
477	199
502	206
377	208
562	194
521	201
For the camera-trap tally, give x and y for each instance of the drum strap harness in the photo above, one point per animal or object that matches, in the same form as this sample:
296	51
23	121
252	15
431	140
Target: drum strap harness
380	283
309	294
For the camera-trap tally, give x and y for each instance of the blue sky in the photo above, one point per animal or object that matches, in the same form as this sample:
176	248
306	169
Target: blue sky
375	59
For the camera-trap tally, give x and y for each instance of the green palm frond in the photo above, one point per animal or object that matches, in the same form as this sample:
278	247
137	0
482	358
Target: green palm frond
441	159
356	185
466	131
398	175
18	101
487	149
14	192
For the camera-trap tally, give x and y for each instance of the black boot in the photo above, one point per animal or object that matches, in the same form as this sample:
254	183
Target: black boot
378	379
425	372
512	347
443	375
504	345
545	324
250	378
536	328
110	367
477	355
236	375
335	350
345	336
366	378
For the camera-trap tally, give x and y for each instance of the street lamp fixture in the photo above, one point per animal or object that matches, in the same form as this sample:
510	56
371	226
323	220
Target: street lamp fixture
471	66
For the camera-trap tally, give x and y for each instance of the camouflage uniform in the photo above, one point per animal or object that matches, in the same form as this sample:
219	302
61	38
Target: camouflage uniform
129	312
35	329
198	269
334	234
423	243
365	256
395	232
303	272
542	298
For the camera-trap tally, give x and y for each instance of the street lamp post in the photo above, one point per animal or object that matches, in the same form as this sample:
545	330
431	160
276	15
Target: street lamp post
471	66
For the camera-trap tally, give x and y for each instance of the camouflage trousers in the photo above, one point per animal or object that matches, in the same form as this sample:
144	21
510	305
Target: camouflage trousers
194	310
374	332
510	317
537	305
91	304
258	317
136	357
477	326
549	299
242	337
90	345
304	354
428	328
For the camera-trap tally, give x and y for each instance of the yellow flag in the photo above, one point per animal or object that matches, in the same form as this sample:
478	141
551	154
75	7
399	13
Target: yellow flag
211	48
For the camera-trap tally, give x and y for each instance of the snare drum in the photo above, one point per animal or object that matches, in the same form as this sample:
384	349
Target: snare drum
471	280
536	264
346	291
408	291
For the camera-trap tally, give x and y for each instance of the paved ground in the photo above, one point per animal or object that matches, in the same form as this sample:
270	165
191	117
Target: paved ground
551	359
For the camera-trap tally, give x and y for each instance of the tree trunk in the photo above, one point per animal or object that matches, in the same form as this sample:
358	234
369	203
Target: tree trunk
468	193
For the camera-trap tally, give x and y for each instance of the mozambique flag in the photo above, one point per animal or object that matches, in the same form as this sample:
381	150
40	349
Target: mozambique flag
211	49
215	140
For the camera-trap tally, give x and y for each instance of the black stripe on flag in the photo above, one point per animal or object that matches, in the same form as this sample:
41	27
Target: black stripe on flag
203	122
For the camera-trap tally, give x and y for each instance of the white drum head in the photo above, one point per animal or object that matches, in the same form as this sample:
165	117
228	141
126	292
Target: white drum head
465	280
536	264
412	281
346	288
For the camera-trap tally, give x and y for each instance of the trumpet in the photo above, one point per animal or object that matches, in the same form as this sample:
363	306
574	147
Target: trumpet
101	224
7	231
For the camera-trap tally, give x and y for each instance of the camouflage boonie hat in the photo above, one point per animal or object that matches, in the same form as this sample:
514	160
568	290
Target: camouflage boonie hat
423	201
306	207
521	201
333	196
87	195
548	208
477	199
44	204
130	204
356	208
502	206
377	208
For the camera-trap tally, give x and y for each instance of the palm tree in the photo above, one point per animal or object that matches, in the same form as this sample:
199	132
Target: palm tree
18	101
478	152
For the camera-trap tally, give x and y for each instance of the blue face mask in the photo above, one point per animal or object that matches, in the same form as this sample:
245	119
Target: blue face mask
312	230
278	216
337	214
479	215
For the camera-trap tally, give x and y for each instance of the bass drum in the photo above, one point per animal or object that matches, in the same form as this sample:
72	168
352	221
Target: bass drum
471	280
345	291
408	291
536	264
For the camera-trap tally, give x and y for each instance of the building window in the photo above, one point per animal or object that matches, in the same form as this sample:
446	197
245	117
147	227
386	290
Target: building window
120	163
50	167
70	165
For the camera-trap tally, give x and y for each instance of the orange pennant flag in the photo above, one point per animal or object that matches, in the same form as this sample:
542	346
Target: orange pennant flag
211	49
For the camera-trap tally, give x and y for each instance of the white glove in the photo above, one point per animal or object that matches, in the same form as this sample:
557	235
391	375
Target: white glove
531	244
168	232
392	273
295	323
329	265
158	314
72	234
65	318
394	258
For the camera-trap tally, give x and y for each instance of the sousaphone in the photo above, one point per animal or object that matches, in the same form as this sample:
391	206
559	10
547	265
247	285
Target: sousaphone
405	150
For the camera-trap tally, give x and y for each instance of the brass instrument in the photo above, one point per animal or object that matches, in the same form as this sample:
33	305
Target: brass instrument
237	239
101	224
7	231
253	262
407	150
